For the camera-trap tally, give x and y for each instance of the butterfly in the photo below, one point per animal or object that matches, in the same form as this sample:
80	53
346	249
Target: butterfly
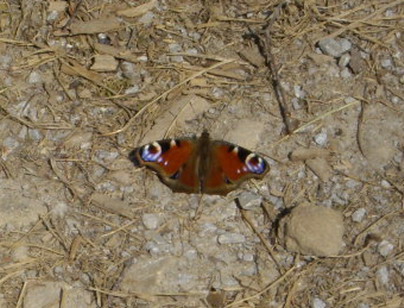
200	165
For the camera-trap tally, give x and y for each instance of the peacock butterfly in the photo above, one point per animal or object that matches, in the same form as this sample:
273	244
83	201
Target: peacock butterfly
200	165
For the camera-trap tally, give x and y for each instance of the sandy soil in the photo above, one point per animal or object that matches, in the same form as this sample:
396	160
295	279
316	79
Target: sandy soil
84	83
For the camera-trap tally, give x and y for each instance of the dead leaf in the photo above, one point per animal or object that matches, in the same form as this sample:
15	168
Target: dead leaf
75	69
99	25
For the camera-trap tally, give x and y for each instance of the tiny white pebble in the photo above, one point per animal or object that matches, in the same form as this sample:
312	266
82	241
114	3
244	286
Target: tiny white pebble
385	248
34	77
231	238
318	303
383	275
358	215
151	221
321	138
385	184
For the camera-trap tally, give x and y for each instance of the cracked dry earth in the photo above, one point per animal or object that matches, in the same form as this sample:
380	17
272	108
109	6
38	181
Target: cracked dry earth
84	83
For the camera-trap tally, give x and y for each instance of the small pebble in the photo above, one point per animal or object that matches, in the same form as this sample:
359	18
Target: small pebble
132	90
35	134
10	142
318	303
103	155
52	16
321	138
104	39
358	215
217	92
192	51
344	60
299	92
231	238
147	18
383	275
386	63
385	184
352	184
395	100
142	58
34	77
385	248
335	47
345	73
175	48
296	104
125	254
249	200
151	221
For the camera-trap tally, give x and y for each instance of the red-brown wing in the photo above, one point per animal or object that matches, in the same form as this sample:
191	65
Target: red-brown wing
230	165
174	162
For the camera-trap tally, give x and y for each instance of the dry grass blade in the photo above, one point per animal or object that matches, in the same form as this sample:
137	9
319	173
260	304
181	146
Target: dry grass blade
357	23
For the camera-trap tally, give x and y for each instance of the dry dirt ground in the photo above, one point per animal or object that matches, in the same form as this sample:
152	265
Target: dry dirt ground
85	82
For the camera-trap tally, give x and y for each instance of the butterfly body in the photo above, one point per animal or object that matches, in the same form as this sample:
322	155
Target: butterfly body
200	165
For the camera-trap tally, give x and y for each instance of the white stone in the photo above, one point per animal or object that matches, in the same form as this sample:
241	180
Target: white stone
383	275
34	77
345	73
231	238
147	18
385	184
321	138
358	215
386	63
318	303
249	200
344	60
334	47
151	221
385	248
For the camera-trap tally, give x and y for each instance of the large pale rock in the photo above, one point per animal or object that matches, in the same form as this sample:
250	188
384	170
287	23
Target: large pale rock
16	210
48	294
313	230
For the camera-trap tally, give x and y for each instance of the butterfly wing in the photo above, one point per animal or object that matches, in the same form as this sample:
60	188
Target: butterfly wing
231	165
173	160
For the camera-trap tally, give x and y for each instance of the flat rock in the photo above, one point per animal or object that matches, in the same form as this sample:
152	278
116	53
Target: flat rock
246	133
48	294
104	63
312	230
168	274
16	210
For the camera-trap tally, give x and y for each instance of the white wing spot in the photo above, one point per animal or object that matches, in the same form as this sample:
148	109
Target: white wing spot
173	143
